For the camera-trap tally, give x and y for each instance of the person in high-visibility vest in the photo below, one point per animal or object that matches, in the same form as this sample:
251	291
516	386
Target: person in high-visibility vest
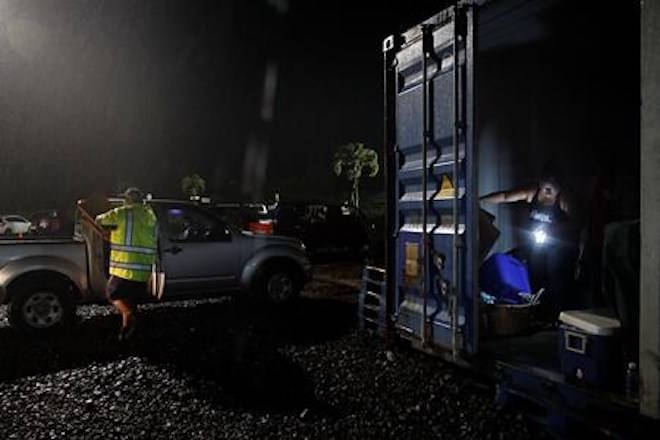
133	251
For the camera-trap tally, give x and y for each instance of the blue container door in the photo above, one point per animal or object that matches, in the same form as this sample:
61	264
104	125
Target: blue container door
434	234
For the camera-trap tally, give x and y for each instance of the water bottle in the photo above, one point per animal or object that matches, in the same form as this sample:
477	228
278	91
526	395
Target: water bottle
631	379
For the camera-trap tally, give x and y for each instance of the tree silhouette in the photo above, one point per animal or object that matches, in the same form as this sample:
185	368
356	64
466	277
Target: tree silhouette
352	160
193	185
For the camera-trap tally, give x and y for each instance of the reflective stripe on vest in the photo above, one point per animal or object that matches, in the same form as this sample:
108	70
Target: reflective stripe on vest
130	266
135	249
128	229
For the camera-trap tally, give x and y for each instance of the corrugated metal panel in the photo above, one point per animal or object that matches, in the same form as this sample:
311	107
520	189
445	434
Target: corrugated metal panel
418	278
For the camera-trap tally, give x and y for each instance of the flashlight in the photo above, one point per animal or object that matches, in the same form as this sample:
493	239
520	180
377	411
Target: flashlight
540	236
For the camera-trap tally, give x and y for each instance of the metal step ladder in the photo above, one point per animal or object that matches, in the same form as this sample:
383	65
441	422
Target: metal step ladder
371	302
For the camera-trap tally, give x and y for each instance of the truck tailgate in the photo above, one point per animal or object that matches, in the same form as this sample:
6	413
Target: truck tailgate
67	256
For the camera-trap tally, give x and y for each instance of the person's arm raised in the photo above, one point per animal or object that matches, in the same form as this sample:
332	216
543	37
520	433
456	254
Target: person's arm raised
517	195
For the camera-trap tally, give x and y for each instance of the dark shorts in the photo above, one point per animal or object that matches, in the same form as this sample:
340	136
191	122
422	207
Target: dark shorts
119	288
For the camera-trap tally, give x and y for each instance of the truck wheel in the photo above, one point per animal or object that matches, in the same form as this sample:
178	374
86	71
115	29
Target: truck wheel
280	284
41	307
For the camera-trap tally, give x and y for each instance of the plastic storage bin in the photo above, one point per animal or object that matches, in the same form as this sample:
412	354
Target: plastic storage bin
590	347
504	277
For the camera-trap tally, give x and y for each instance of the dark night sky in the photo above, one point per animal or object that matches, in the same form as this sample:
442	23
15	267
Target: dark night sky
99	94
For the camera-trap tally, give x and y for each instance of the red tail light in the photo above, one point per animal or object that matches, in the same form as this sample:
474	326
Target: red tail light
264	227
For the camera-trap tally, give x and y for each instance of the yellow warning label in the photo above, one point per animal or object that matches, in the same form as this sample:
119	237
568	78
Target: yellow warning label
446	187
412	260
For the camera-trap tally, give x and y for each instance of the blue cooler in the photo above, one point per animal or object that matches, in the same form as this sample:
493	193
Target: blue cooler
590	347
504	277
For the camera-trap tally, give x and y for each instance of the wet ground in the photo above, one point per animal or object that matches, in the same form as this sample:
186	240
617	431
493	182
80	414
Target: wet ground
224	368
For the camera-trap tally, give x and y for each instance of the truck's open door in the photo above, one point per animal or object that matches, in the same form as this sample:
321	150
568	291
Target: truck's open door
432	217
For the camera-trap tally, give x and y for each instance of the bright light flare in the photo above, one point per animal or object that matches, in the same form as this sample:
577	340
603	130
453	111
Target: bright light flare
540	236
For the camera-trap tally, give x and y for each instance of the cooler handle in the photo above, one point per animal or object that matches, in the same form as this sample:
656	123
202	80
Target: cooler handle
575	342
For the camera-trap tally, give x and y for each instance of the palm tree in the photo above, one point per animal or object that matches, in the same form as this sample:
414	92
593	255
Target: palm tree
352	159
193	185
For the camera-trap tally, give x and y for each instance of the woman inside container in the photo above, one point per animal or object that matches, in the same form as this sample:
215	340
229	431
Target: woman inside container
550	246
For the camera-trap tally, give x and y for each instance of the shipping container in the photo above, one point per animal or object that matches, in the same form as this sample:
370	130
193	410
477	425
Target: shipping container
479	98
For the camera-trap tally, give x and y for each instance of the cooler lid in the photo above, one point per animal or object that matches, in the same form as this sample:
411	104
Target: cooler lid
594	322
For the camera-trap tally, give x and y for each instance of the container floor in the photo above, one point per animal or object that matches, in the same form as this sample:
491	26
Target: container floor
537	350
537	355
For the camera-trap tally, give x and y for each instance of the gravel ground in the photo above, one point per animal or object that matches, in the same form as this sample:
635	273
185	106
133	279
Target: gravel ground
223	369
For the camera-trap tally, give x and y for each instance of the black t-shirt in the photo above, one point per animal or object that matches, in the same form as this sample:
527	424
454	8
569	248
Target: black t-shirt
554	220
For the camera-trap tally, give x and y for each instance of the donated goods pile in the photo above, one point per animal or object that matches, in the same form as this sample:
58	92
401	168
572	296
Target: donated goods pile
503	279
588	340
506	295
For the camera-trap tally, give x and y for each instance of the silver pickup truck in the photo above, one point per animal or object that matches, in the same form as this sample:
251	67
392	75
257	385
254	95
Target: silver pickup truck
42	280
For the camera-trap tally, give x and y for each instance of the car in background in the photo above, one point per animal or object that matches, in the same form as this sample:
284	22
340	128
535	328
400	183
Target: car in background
326	229
14	224
46	222
250	217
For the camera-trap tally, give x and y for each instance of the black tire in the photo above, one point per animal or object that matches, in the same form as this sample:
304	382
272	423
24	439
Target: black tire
41	307
279	283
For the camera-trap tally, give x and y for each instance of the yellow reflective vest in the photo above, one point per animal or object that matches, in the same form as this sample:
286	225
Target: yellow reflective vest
133	241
